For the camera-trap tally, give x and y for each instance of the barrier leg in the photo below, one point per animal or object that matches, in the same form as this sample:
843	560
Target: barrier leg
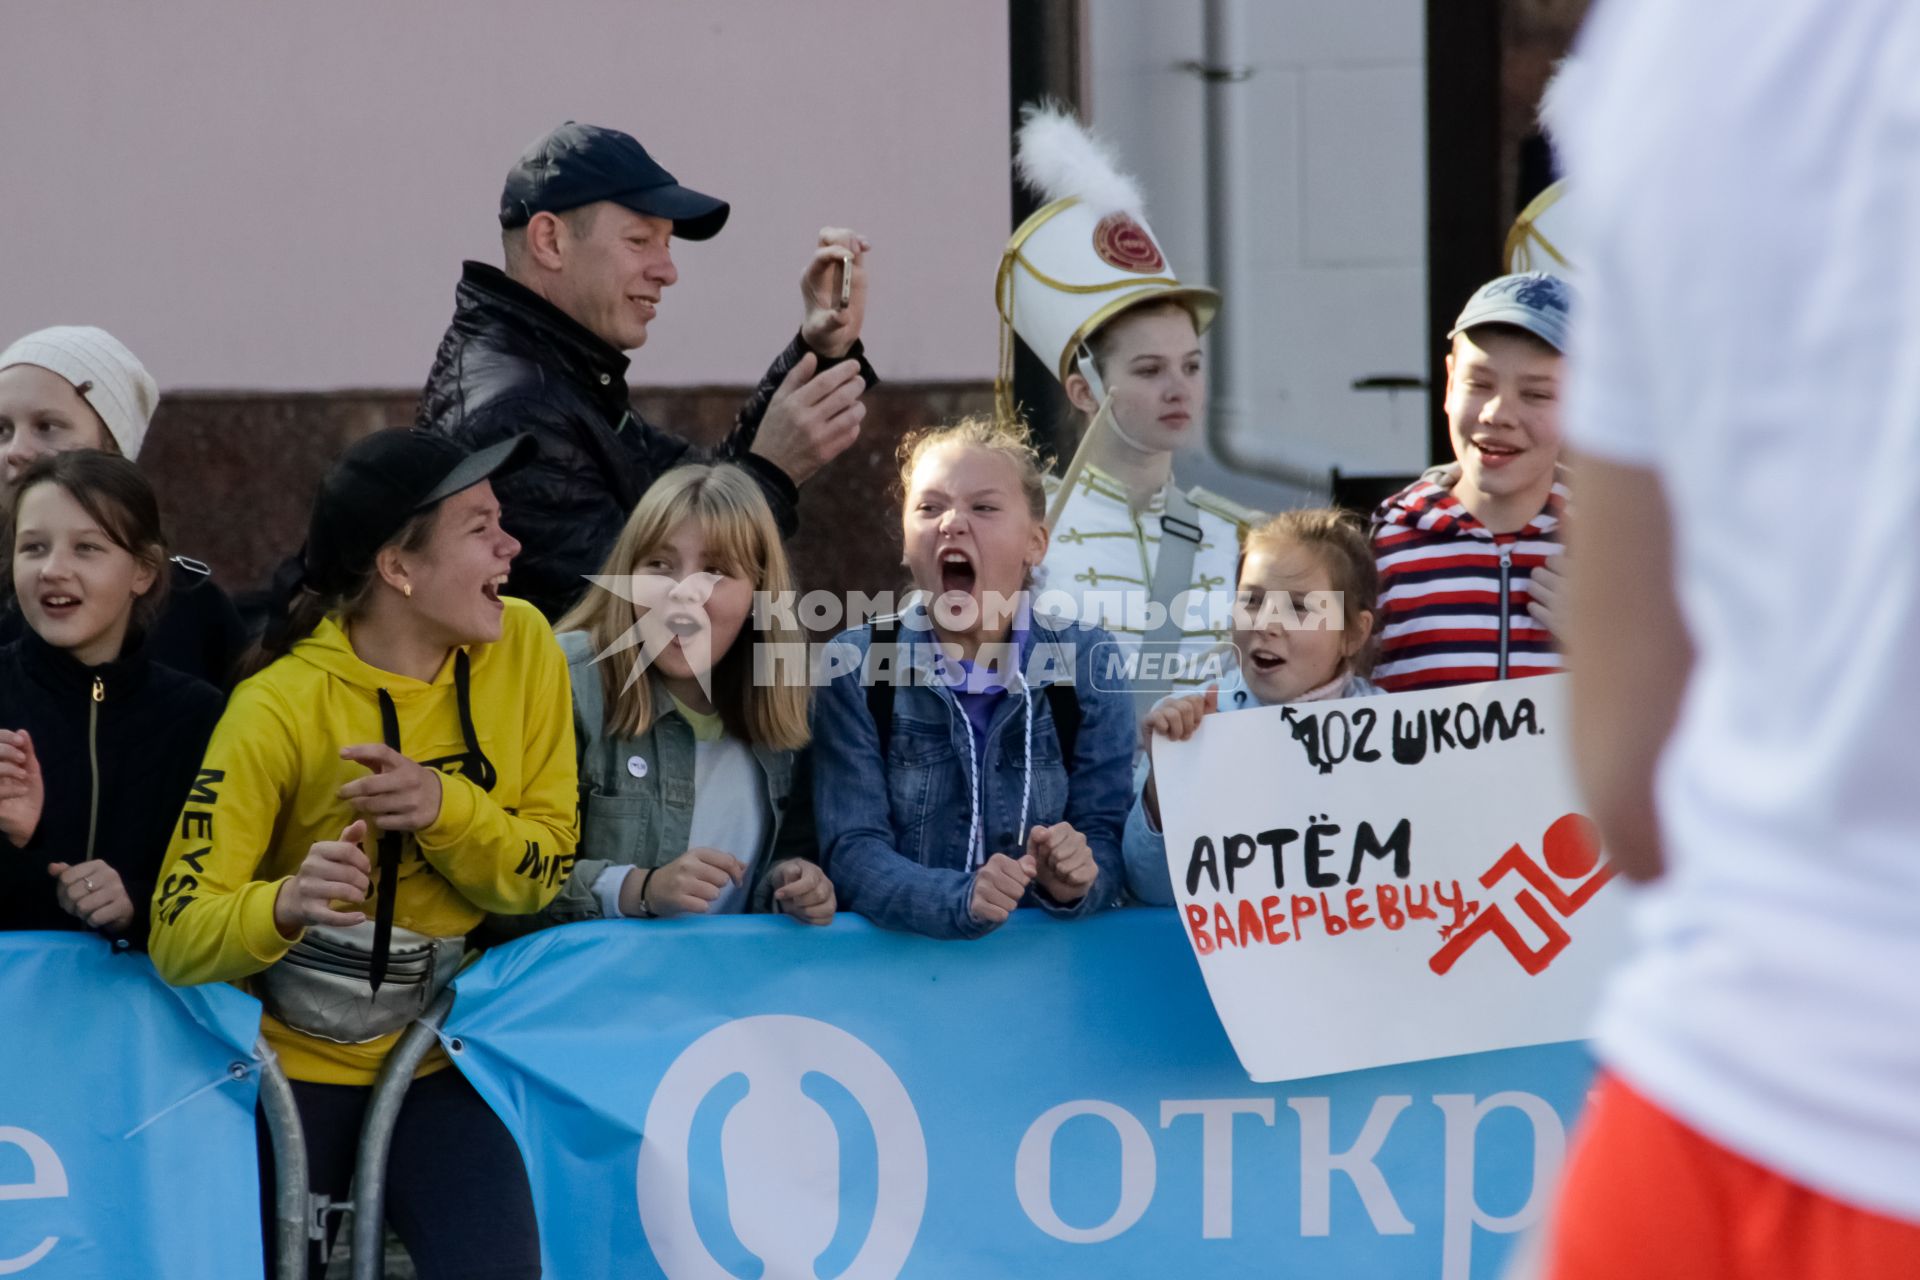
292	1203
376	1136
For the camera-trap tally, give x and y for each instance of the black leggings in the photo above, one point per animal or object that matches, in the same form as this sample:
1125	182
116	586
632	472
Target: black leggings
457	1191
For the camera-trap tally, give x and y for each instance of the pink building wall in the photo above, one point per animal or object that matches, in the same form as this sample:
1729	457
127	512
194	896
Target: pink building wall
278	197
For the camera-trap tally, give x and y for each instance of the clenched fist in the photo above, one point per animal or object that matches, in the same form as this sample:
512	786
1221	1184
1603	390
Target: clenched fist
1063	862
998	886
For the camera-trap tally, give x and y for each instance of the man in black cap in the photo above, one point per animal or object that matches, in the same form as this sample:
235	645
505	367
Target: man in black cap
587	217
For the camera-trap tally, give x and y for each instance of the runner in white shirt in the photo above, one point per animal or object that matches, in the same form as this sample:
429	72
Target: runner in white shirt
1746	394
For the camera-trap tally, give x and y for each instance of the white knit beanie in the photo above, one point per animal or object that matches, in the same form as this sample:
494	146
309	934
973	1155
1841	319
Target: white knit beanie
102	370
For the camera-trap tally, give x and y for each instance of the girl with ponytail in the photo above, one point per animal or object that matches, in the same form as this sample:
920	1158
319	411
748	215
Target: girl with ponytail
401	764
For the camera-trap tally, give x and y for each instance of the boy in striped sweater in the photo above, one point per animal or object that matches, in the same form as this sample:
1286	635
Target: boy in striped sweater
1467	592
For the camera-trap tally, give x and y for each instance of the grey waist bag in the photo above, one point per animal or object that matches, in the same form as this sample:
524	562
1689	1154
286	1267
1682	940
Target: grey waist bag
321	987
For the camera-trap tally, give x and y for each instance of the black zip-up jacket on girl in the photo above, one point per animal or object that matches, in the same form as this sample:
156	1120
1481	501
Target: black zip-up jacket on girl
512	362
118	746
198	632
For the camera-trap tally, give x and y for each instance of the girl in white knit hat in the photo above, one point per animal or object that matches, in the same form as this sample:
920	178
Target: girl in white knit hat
71	387
78	387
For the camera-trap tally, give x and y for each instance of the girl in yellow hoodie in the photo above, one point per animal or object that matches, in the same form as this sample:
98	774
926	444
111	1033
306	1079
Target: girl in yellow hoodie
409	713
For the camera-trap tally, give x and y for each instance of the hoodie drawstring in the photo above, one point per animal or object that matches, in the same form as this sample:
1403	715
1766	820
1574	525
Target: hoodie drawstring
482	775
390	841
976	838
389	860
974	844
1026	769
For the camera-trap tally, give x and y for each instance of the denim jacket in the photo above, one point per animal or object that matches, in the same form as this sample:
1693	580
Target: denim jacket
644	821
1145	845
898	853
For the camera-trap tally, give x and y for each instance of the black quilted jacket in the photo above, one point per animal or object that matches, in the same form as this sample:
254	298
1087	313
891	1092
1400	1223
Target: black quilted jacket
513	362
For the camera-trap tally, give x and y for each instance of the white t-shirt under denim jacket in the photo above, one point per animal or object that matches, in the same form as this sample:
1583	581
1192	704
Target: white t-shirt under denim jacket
683	783
1749	332
1144	845
731	812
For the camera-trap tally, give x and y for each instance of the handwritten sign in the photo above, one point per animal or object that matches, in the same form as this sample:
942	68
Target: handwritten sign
1389	879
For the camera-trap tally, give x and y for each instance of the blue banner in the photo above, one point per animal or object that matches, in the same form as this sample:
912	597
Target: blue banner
1057	1099
126	1118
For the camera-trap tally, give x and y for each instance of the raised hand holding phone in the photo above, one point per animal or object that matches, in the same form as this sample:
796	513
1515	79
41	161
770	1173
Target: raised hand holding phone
834	292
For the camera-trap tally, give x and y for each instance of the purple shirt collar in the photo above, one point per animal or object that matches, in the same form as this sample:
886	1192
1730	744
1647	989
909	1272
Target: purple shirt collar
965	676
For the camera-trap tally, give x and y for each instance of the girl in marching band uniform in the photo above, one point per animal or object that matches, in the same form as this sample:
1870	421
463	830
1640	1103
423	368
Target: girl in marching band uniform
1085	285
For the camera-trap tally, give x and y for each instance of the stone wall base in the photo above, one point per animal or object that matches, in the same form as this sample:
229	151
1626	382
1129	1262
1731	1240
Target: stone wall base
237	472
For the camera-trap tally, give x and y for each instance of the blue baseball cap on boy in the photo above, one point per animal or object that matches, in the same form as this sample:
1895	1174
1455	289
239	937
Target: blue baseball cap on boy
578	164
1534	300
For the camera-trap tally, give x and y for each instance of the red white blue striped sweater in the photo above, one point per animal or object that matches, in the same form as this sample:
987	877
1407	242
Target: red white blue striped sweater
1453	595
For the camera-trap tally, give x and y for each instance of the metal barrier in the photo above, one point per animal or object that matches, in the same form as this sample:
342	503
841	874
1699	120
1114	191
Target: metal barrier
293	1219
376	1136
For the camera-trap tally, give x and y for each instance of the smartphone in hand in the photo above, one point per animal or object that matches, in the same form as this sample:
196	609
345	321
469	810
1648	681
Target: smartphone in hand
842	283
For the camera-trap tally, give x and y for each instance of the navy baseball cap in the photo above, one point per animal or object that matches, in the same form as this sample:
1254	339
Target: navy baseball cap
578	164
1534	300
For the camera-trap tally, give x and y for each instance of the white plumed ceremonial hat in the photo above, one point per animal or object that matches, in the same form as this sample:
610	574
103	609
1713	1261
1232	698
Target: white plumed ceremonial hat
1084	257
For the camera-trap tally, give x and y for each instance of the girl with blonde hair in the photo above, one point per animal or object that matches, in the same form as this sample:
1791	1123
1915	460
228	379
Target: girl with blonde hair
690	715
